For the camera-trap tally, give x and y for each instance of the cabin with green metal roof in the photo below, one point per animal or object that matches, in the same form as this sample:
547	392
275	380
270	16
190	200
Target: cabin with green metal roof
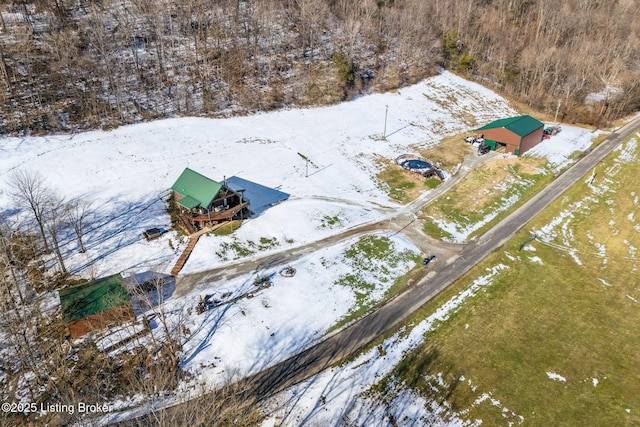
95	305
204	202
515	135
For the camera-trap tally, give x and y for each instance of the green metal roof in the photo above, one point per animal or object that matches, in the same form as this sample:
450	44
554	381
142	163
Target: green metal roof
93	297
195	188
521	125
188	202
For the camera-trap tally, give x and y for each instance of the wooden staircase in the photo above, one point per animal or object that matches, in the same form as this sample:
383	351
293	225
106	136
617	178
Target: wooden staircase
193	239
185	255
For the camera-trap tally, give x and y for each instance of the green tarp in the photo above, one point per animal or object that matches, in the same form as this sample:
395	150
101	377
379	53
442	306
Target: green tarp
491	144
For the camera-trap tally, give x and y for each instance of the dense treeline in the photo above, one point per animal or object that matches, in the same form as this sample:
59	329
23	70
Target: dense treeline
76	64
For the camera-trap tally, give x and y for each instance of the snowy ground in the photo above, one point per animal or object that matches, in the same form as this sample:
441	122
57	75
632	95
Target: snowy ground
343	395
339	395
560	147
285	318
125	174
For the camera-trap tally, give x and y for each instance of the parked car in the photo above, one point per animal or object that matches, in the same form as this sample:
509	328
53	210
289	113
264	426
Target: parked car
152	233
427	260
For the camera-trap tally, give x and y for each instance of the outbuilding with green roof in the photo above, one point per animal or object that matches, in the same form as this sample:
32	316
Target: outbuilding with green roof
516	135
95	305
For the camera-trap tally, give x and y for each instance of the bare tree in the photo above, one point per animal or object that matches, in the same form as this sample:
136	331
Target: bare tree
7	257
166	343
19	318
77	212
70	64
205	405
30	191
54	222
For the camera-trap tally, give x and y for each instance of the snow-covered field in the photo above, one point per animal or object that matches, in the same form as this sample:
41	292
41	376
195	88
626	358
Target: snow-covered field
339	394
125	174
560	147
344	395
253	333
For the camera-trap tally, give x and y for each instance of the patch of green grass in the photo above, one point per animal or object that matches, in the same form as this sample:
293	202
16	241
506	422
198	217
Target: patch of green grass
397	184
575	319
576	155
266	243
597	140
227	228
237	249
525	191
234	250
372	260
364	303
476	199
370	248
330	221
432	183
432	229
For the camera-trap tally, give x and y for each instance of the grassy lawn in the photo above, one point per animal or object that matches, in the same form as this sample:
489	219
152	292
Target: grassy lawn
495	188
404	186
374	261
449	153
227	228
552	341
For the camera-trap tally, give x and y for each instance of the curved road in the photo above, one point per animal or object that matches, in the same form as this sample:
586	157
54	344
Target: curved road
348	341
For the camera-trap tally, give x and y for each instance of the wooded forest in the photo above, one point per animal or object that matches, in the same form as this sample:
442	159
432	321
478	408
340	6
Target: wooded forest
71	65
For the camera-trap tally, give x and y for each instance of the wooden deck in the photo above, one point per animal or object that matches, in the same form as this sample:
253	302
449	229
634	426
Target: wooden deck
187	221
223	215
215	220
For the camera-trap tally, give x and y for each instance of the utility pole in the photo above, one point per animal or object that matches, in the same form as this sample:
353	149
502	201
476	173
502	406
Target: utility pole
386	111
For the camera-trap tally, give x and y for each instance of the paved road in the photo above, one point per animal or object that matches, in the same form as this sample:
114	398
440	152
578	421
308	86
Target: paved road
339	346
349	340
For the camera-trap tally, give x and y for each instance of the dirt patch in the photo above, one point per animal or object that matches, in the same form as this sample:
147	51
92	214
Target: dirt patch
479	189
403	186
488	182
527	165
449	153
